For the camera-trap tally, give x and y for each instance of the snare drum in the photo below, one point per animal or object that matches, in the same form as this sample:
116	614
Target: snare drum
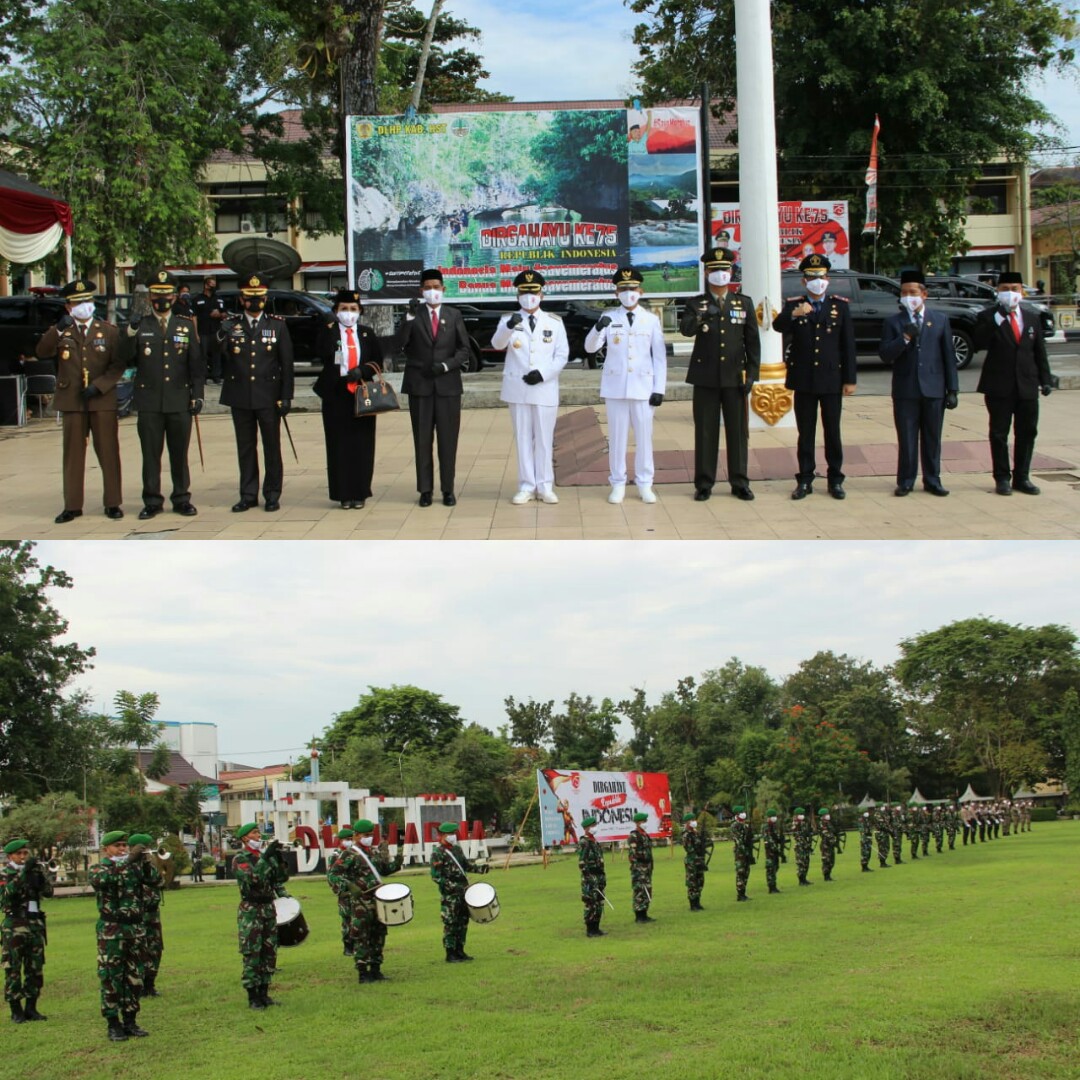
393	904
292	927
482	903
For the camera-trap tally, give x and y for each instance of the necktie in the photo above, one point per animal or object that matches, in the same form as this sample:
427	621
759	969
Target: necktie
164	325
630	317
532	322
816	304
434	322
1015	326
354	356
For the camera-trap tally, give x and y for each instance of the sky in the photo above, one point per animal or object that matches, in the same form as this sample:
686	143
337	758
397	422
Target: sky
572	49
271	640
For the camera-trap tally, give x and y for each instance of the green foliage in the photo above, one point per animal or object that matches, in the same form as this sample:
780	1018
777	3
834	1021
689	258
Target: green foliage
582	733
949	81
396	716
1044	813
530	722
54	824
583	153
1069	725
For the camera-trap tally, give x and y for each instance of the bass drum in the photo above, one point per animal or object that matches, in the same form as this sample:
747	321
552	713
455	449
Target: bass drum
482	903
292	927
393	904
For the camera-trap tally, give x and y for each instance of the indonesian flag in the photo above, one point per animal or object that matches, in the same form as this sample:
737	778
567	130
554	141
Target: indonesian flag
33	221
871	225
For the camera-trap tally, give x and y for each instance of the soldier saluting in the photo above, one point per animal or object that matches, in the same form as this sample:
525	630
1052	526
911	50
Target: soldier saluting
23	883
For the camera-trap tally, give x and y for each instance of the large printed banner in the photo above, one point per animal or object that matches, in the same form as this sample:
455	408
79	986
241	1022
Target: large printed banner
567	796
573	193
806	228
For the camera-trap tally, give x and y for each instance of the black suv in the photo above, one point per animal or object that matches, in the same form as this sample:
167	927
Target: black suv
304	314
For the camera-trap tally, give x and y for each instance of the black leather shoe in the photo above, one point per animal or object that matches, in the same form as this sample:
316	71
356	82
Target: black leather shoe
743	493
185	510
837	491
902	490
1003	487
425	498
113	513
1026	487
271	506
802	490
242	505
147	512
67	515
449	499
936	489
702	494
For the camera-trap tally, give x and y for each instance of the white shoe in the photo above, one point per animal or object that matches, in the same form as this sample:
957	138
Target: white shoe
522	497
548	496
647	493
618	491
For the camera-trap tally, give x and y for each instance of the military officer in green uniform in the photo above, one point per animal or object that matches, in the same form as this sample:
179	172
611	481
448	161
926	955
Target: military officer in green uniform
803	833
952	824
261	873
937	827
742	836
819	339
882	835
344	903
772	836
448	869
866	841
896	828
117	885
723	369
259	389
151	942
639	846
23	885
590	857
694	842
357	874
914	829
170	373
828	841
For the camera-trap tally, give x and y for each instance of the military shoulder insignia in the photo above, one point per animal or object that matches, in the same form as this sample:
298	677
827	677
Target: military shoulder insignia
552	315
792	299
842	299
280	318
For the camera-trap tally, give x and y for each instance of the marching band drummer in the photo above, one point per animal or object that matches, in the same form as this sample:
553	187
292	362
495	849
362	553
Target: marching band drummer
357	874
23	883
261	873
448	869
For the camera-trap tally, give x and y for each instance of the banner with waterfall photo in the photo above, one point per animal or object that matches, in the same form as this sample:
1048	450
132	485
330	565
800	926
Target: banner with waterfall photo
573	193
568	795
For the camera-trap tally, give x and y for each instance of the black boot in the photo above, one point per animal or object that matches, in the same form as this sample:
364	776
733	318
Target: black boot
264	995
255	998
17	1014
867	870
589	929
740	898
597	932
116	1030
375	973
773	888
348	951
461	953
827	877
31	1013
452	957
131	1029
363	976
148	986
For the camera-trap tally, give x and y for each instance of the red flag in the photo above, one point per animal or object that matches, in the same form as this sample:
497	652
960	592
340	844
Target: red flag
871	225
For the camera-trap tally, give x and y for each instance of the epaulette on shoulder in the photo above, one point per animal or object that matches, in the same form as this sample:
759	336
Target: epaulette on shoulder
792	299
279	318
551	314
181	315
842	299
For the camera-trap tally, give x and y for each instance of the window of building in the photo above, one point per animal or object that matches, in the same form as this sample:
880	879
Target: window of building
247	208
990	195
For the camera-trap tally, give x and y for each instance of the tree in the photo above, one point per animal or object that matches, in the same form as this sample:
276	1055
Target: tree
55	824
812	758
582	733
949	81
134	725
398	715
530	722
1070	727
36	734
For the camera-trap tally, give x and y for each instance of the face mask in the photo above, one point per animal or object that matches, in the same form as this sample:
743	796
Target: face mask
817	286
742	817
529	301
449	840
720	278
367	841
255	304
693	824
161	303
120	859
772	820
255	845
628	298
433	296
1010	301
911	303
348	318
83	311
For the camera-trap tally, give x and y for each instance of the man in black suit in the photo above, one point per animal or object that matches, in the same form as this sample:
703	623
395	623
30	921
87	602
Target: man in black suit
918	344
436	348
1015	371
259	389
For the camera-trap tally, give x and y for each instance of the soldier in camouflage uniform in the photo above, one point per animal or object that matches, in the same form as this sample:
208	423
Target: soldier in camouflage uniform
590	859
639	847
772	835
925	828
897	828
117	885
803	832
913	829
866	842
882	835
828	840
695	844
357	874
937	827
344	905
23	884
151	943
261	873
448	869
951	824
742	836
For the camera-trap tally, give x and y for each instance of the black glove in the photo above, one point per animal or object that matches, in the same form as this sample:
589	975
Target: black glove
284	408
515	320
196	406
951	400
910	330
532	378
136	855
437	370
354	375
1046	390
602	322
65	321
89	392
414	306
656	400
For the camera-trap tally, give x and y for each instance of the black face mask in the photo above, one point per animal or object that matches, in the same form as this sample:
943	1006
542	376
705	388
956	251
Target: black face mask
255	304
161	303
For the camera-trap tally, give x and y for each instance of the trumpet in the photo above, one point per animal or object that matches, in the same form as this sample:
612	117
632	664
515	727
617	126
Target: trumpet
52	867
162	852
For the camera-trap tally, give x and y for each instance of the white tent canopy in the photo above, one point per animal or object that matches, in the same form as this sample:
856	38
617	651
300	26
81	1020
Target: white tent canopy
970	796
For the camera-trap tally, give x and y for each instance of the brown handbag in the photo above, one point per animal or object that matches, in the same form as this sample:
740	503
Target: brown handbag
374	397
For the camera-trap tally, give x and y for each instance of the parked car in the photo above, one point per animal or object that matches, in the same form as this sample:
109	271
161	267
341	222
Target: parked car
304	313
981	294
24	318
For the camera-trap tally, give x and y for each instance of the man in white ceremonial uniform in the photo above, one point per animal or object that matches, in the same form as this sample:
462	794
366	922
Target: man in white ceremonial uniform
633	381
536	351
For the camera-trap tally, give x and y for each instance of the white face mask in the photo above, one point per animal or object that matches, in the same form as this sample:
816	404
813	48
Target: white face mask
911	303
529	301
255	845
433	296
348	318
629	298
693	824
449	840
772	820
720	278
367	841
83	311
1010	301
120	859
817	286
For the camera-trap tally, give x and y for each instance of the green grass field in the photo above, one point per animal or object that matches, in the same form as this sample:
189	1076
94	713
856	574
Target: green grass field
963	965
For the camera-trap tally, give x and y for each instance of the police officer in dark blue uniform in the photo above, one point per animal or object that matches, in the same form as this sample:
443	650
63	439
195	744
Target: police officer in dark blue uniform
819	350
